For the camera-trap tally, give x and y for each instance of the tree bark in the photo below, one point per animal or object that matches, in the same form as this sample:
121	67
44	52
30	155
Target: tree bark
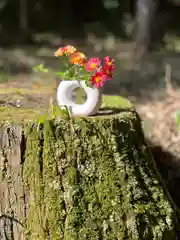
89	178
13	203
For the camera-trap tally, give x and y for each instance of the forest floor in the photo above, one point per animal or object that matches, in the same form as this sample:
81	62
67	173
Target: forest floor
153	87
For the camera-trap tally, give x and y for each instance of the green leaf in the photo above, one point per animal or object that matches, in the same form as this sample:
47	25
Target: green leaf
60	74
71	73
41	120
62	111
66	110
52	109
83	71
88	83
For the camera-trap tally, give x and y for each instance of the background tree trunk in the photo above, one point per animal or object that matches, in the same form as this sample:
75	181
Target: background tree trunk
23	17
145	13
91	178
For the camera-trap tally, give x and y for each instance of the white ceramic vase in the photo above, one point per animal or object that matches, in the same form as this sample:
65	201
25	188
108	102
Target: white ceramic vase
65	94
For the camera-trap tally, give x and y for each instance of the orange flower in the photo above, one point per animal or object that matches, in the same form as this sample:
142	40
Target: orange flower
77	58
98	79
59	52
65	51
93	64
69	50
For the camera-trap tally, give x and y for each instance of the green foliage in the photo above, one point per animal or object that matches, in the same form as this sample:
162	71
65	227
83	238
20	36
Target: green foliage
75	73
40	68
94	179
55	112
69	72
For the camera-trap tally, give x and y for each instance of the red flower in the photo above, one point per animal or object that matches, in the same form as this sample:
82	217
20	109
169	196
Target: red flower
109	63
98	79
108	72
93	64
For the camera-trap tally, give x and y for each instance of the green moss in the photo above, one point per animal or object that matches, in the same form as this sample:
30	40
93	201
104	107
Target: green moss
33	172
17	115
116	101
95	179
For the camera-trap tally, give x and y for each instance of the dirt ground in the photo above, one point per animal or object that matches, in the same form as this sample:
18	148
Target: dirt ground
153	86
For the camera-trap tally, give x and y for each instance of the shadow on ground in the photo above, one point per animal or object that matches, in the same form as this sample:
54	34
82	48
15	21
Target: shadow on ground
169	168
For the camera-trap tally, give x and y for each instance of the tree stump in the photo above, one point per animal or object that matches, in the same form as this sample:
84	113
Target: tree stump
84	178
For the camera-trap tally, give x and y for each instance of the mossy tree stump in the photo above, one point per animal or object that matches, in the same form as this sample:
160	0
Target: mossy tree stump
90	178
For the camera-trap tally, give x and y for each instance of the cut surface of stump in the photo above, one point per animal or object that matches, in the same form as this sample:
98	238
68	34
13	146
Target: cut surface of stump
83	178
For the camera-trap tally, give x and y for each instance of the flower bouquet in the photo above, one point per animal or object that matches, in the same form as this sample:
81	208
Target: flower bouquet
80	72
78	67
